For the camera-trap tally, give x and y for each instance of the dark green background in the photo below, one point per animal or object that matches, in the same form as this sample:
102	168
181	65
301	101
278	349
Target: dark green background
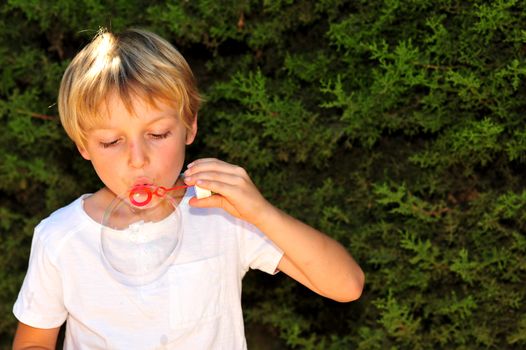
397	127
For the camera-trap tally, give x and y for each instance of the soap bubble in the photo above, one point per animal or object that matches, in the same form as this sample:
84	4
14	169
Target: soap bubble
141	232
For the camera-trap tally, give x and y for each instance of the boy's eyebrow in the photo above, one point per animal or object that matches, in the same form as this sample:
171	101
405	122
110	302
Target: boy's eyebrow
161	117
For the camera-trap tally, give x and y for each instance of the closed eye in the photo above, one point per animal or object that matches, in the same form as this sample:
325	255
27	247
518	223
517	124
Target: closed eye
161	136
109	144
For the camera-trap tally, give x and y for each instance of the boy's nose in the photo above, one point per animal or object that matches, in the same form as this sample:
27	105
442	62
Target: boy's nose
137	155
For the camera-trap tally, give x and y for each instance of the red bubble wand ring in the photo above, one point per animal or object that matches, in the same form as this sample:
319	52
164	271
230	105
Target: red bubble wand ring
149	191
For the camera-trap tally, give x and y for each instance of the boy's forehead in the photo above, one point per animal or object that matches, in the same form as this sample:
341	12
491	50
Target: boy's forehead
135	105
117	109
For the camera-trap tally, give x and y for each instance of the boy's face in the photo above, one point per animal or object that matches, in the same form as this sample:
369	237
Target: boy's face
144	146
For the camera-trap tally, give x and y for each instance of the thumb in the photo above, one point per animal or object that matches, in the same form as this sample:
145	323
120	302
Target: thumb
214	201
209	202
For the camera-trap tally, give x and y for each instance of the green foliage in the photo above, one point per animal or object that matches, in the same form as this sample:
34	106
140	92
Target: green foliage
397	127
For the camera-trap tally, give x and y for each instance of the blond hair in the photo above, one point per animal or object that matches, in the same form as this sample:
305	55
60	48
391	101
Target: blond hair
133	63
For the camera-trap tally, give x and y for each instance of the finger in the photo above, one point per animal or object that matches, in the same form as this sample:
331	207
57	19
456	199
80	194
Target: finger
211	164
218	176
225	189
202	161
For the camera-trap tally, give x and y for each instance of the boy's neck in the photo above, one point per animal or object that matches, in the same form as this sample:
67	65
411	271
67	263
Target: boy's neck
96	204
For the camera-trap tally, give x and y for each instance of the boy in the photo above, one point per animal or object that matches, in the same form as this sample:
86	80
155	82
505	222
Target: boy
130	104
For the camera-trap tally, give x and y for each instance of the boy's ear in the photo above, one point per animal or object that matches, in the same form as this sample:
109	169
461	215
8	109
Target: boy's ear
190	133
83	152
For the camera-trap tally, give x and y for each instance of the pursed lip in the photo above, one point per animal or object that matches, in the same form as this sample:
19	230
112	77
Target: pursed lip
142	181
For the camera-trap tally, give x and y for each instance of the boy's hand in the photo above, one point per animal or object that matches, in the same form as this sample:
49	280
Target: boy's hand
233	189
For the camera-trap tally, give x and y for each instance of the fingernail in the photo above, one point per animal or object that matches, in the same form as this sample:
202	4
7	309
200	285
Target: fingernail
190	165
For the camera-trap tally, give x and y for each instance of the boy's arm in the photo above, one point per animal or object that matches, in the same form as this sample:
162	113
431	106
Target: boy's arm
314	259
28	337
310	257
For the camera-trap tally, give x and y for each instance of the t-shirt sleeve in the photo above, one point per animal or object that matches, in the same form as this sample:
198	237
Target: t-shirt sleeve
40	300
257	250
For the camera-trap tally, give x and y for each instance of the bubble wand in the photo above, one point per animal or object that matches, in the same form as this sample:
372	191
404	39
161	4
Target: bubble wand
139	191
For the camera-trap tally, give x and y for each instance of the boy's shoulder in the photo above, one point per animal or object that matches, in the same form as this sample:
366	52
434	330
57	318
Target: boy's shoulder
61	222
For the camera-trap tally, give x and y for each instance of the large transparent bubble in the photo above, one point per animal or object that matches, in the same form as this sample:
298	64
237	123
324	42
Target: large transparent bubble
141	233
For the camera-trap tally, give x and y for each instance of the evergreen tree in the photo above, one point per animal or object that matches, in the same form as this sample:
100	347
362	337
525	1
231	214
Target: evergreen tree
396	127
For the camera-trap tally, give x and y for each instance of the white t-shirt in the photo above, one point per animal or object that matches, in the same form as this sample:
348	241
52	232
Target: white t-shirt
196	304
